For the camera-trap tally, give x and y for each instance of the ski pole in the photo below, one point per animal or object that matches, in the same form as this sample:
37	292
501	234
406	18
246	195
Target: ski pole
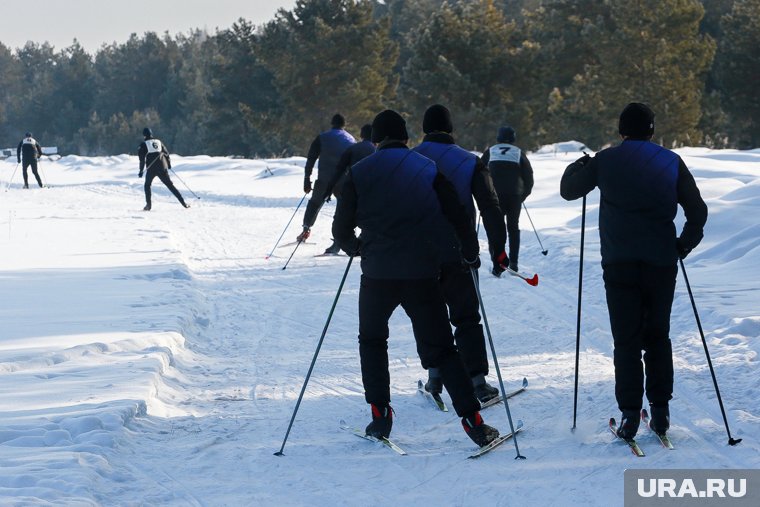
314	359
12	175
731	440
543	250
183	182
292	254
578	320
495	361
286	227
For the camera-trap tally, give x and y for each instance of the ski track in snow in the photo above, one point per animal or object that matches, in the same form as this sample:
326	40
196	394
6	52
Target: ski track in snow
156	358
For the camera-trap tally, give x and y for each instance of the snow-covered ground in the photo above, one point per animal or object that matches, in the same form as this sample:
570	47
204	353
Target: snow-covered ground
156	358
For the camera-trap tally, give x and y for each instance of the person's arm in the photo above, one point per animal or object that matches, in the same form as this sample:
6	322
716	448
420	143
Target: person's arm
486	157
488	204
579	178
39	149
311	158
526	171
344	221
455	213
18	151
165	152
694	209
141	152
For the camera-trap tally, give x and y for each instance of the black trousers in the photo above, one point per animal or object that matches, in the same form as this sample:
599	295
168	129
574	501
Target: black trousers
318	196
163	175
639	300
25	165
511	206
464	314
422	300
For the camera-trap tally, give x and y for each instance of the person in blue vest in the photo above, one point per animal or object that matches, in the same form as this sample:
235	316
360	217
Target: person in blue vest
327	147
471	178
513	178
641	185
28	151
399	198
155	162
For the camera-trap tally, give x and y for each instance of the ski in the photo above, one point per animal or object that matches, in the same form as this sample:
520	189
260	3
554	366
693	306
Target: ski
533	280
328	255
361	434
663	438
635	449
500	398
496	442
435	399
294	243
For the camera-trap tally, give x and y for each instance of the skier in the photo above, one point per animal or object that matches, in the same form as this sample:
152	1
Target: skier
641	185
513	178
28	151
327	147
350	156
153	153
397	197
471	179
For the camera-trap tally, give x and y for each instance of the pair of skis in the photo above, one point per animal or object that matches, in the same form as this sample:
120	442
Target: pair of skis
437	401
632	444
396	448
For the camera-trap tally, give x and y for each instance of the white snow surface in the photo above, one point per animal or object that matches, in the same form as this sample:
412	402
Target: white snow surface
155	358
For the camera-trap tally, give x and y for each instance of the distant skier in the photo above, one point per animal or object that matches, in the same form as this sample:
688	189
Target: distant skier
28	151
397	197
327	147
513	178
350	156
641	185
471	179
154	154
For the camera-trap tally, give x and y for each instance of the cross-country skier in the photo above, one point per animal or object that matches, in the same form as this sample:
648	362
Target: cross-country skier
471	179
154	154
397	197
641	185
28	151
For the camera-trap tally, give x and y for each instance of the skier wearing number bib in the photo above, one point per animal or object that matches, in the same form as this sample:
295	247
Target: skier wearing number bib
512	176
153	154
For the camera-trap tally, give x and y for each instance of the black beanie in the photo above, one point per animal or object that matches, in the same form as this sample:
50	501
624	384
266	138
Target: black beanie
437	119
147	132
388	125
338	121
636	121
505	135
366	132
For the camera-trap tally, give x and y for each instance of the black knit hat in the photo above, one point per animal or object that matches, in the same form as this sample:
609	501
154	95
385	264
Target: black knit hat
338	121
505	135
388	125
147	132
636	121
437	119
366	132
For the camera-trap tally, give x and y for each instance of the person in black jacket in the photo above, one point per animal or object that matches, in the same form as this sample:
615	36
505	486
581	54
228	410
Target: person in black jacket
327	147
154	154
641	185
28	151
513	178
471	178
399	198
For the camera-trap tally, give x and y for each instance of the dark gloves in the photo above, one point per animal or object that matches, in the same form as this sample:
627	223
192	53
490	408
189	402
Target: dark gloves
500	263
683	250
139	175
584	159
306	185
474	263
355	249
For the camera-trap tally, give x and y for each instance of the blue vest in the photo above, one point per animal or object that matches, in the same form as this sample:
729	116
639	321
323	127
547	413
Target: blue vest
457	164
332	143
398	212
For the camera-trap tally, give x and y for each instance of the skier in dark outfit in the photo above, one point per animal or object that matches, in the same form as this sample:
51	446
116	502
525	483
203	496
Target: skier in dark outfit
327	147
398	197
513	178
641	185
471	179
154	154
351	155
28	151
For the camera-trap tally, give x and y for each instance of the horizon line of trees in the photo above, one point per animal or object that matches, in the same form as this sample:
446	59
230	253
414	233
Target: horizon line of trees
555	70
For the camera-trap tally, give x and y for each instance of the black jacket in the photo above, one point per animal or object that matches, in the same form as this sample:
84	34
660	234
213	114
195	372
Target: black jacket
641	184
398	198
28	149
350	156
510	169
153	154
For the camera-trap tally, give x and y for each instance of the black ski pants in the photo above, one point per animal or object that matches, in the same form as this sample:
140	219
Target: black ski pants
511	206
464	314
639	300
318	196
24	166
422	300
163	175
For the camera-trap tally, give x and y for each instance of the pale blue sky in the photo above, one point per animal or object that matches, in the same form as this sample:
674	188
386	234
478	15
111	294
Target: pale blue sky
97	22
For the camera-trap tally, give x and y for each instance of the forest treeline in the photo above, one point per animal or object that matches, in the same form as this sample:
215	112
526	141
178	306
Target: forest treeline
554	69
